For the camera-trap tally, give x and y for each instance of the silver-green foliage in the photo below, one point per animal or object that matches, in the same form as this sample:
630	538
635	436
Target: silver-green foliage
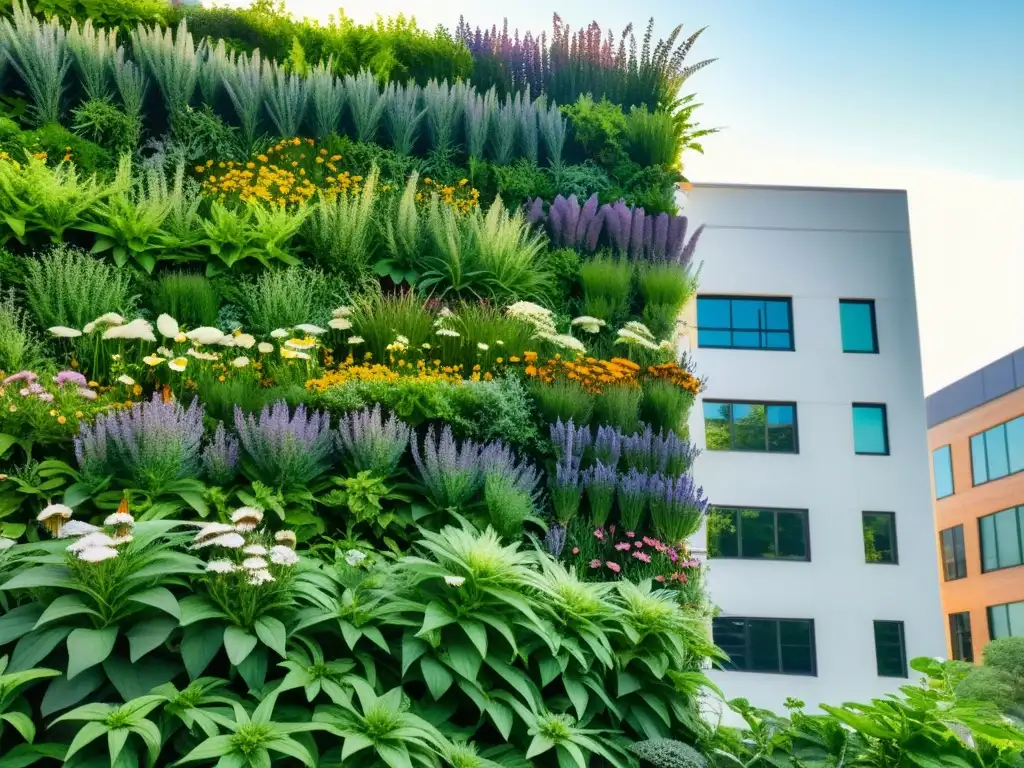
244	83
327	94
286	97
38	50
478	111
526	117
403	236
284	298
93	50
403	116
131	83
214	65
552	132
444	107
505	118
172	60
667	753
341	229
366	104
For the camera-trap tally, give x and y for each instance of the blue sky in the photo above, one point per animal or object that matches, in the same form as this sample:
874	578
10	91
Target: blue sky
922	95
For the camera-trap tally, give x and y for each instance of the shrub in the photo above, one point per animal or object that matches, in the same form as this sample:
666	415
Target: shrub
618	406
287	450
564	400
666	753
286	298
598	128
522	181
20	346
191	299
667	404
109	127
38	51
607	284
342	229
58	142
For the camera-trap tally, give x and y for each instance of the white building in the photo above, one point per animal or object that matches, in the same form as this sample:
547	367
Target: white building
802	609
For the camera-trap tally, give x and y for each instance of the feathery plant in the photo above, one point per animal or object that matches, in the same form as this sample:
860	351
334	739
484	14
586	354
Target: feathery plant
286	97
172	60
341	229
552	131
511	252
20	346
131	82
38	50
244	83
214	67
403	236
652	138
478	111
93	50
526	117
444	106
366	104
188	297
402	116
606	288
503	136
327	94
285	298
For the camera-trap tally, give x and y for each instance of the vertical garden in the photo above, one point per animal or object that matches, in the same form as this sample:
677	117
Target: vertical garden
342	417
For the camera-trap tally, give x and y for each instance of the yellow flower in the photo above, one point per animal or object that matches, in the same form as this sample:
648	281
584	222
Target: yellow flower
79	414
178	364
62	419
53	412
305	343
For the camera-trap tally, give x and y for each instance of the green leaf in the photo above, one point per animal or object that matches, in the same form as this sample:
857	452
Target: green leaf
254	669
238	643
501	715
273	634
64	606
292	748
394	756
36	646
160	598
116	737
22	723
354	742
149	634
135	680
436	676
211	749
17	225
56	576
89	647
199	645
412	648
6	441
76	494
19	621
627	683
87	734
538	746
577	695
196	501
477	634
198	608
63	693
435	617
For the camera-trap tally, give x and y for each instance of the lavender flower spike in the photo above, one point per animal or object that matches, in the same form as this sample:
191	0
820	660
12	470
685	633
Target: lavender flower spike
677	507
287	450
600	482
220	457
450	473
370	443
554	541
570	440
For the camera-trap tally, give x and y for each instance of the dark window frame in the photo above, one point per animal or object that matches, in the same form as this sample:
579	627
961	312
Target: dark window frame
874	327
1006	447
959	553
730	667
767	426
904	671
1017	513
892	531
885	429
949	463
988	617
737	519
762	347
961	641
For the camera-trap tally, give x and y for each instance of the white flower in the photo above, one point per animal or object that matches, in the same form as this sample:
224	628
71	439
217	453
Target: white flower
63	332
227	340
500	343
254	564
117	541
291	354
97	554
300	343
167	326
55	510
640	329
279	333
240	362
282	555
97	539
153	360
245	340
403	340
589	324
6	543
286	537
178	364
205	334
227	540
202	355
126	380
77	528
483	347
108	318
208	531
264	348
164	351
119	518
447	332
221	566
255	549
181	338
626	336
566	342
354	557
340	324
311	330
342	312
454	581
260	577
136	329
355	339
89	327
445	312
246	518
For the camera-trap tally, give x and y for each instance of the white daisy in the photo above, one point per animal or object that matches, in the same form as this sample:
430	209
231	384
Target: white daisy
245	340
126	380
205	334
63	332
97	554
264	348
260	577
254	564
240	362
311	330
589	324
282	555
167	326
255	549
221	566
285	537
483	347
178	364
136	329
279	333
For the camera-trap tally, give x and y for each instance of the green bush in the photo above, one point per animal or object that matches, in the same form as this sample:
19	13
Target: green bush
666	753
57	141
107	126
523	181
598	128
191	299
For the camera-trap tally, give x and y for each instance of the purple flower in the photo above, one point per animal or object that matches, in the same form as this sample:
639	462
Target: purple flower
74	377
369	443
663	452
608	446
570	441
566	486
677	507
287	450
632	495
220	457
498	458
554	541
450	473
20	376
600	482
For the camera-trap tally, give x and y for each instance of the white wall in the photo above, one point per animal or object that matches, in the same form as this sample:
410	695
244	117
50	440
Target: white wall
817	246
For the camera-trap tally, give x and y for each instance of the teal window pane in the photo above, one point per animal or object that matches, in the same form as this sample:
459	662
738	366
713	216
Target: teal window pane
979	467
1015	618
870	431
744	323
942	468
989	556
995	452
857	324
1007	540
1015	444
998	622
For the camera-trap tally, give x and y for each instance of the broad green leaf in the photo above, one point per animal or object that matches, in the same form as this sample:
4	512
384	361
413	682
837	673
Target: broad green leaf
273	634
464	659
19	621
211	749
87	734
627	683
435	617
160	598
198	608
501	716
146	635
412	648
395	757
64	606
436	676
238	643
538	746
6	441
56	576
22	723
577	694
116	737
354	742
254	669
477	634
135	680
89	647
36	646
63	693
292	748
199	645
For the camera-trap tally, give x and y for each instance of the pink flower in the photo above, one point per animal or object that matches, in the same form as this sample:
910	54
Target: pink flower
21	376
643	557
630	534
660	578
595	563
672	555
613	567
575	550
599	534
650	542
660	547
622	546
638	544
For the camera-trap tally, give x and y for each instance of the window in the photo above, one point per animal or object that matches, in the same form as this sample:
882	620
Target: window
998	452
954	558
767	427
1001	539
870	429
1006	620
960	636
880	537
890	649
754	534
752	322
857	325
942	469
784	646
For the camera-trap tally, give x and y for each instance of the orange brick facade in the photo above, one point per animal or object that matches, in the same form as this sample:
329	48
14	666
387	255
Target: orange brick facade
977	591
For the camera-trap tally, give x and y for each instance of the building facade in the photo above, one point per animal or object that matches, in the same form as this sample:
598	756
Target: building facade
976	436
813	438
